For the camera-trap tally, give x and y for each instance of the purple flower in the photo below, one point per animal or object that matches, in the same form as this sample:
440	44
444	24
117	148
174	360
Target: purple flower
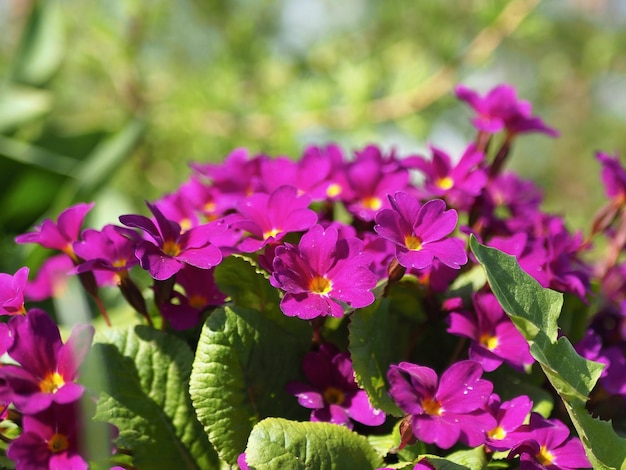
184	311
371	177
494	336
111	249
51	279
419	232
268	218
62	234
322	271
332	393
167	250
547	445
12	292
501	109
47	368
613	177
510	416
56	438
447	410
459	184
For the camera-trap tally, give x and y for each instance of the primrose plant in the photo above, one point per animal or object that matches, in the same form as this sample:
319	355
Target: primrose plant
367	310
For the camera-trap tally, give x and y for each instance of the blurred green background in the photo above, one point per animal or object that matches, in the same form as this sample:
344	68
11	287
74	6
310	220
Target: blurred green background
108	100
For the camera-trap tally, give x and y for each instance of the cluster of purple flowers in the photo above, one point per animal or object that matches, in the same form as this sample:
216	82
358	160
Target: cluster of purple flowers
327	229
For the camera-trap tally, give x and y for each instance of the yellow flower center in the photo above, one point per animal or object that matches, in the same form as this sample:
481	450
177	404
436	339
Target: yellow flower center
120	262
333	190
444	183
185	224
271	233
51	382
372	202
412	242
545	457
333	396
58	443
320	285
432	406
171	248
489	341
497	433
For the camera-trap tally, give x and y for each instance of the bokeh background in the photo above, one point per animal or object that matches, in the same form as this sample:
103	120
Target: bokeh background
108	100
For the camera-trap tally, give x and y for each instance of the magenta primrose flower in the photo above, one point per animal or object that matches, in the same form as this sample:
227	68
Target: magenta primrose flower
268	218
62	234
56	438
12	292
110	249
547	445
322	271
494	337
419	232
510	416
613	176
458	183
444	411
501	109
331	391
168	249
47	369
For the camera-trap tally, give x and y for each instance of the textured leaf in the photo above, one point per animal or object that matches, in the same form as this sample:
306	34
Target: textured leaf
372	352
277	443
145	394
531	307
572	376
243	362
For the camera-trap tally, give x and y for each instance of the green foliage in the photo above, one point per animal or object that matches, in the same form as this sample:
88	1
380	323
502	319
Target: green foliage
243	362
277	443
144	392
535	311
372	352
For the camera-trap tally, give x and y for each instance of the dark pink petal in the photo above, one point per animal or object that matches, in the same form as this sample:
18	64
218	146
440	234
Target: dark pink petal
143	223
434	222
205	257
450	251
474	426
159	265
71	220
36	342
308	307
390	226
460	388
318	247
462	324
308	396
434	430
420	259
29	451
571	455
74	351
361	410
332	414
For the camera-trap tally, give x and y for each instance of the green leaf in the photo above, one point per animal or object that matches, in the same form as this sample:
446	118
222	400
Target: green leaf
277	443
243	362
145	394
572	376
372	352
248	286
531	307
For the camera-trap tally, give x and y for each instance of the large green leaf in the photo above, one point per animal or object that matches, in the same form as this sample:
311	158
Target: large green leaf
277	443
145	394
248	286
243	362
535	311
372	352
